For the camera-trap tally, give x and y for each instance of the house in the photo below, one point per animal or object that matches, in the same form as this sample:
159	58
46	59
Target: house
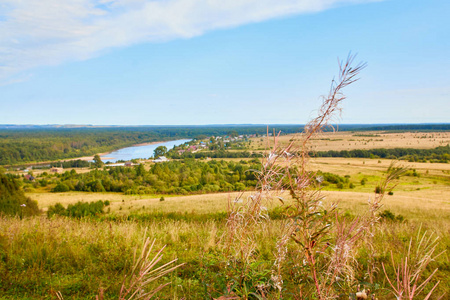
56	170
29	177
160	159
128	164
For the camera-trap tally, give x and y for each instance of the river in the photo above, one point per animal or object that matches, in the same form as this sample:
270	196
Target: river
138	151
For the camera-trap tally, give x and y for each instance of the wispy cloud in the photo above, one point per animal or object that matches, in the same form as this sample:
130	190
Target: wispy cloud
49	32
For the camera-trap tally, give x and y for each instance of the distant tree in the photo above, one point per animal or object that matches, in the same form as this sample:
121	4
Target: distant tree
98	163
201	137
12	199
233	133
159	151
140	170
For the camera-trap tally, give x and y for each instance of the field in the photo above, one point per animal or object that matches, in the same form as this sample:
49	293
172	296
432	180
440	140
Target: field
83	257
367	140
429	185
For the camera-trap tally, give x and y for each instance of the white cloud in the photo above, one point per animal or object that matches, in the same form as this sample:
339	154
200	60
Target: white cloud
49	32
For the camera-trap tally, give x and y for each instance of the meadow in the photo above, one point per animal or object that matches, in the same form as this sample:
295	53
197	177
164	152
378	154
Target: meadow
302	228
82	258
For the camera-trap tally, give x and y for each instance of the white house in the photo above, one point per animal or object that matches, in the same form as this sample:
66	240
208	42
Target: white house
160	159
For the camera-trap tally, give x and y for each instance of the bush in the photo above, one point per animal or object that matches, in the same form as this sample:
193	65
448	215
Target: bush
78	210
56	209
378	190
60	188
387	215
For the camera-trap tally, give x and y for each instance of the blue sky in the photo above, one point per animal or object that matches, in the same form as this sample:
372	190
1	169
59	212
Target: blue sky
175	62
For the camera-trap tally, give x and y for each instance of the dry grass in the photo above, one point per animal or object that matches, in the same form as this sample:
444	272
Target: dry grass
368	140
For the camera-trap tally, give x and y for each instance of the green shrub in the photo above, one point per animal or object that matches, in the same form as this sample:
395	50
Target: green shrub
78	210
60	188
56	209
387	215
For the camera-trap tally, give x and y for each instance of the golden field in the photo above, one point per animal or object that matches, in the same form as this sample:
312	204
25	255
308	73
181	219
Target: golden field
365	140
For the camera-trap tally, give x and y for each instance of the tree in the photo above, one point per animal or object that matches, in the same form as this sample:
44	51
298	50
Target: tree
233	133
13	200
159	151
98	163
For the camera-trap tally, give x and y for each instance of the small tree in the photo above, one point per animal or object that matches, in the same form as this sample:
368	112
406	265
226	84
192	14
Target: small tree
159	151
98	163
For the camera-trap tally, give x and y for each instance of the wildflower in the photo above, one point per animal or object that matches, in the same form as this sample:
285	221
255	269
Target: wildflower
272	156
23	205
288	155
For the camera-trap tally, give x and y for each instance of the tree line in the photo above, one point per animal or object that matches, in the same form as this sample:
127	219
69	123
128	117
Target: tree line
438	154
175	177
184	177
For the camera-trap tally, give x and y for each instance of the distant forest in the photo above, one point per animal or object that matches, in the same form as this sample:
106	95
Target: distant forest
25	144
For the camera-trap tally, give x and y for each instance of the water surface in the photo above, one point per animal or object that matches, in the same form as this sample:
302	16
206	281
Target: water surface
135	152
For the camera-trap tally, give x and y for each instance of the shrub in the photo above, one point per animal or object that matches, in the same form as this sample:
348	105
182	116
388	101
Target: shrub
60	188
387	215
56	209
77	210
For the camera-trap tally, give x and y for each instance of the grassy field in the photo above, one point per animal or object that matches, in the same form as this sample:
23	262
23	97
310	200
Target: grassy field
77	257
41	256
429	182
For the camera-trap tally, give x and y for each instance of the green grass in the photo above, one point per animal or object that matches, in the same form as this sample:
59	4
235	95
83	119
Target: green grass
40	256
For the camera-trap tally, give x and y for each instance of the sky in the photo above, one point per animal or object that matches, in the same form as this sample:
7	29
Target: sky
196	62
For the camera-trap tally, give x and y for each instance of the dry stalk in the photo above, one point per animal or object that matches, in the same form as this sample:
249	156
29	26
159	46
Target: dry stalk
406	283
310	222
144	272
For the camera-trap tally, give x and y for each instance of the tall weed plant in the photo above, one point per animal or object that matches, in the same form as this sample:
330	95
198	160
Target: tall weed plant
316	244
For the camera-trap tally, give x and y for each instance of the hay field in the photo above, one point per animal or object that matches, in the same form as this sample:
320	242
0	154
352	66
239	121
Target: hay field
366	140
